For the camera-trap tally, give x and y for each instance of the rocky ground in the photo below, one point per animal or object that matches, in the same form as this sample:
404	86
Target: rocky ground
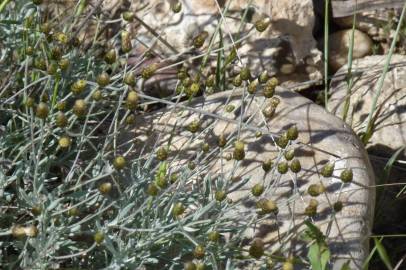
317	161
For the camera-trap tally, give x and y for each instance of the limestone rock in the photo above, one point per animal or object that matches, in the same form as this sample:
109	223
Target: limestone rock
390	125
322	138
339	45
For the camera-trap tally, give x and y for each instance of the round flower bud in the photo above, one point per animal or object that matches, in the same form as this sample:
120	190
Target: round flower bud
256	249
52	68
128	16
132	100
199	40
269	111
174	178
205	147
311	209
98	237
200	266
56	53
220	195
199	252
287	266
64	64
230	108
315	190
338	206
237	81
129	79
42	110
36	210
228	157
283	167
130	120
292	133
267	165
193	126
160	181
105	188
73	212
80	107
245	74
327	170
119	163
152	190
186	82
61	120
189	266
191	165
126	45
263	77
346	175
262	25
274	101
182	73
18	231
103	79
193	90
60	37
29	102
290	154
31	231
252	87
282	141
162	154
97	95
45	28
267	206
44	97
211	80
222	141
78	87
176	7
178	209
213	236
149	71
64	142
295	166
239	152
110	57
61	106
257	190
269	89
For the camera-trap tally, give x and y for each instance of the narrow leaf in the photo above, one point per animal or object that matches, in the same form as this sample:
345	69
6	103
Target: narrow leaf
383	254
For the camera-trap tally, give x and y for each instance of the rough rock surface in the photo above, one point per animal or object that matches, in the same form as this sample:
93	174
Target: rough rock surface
340	43
369	22
322	138
288	40
390	125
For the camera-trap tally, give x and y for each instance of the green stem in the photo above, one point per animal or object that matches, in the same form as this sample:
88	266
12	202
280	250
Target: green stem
370	123
350	79
326	86
3	5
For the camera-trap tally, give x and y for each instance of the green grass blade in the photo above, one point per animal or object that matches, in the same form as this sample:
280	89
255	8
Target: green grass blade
388	167
383	254
365	265
326	32
350	79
